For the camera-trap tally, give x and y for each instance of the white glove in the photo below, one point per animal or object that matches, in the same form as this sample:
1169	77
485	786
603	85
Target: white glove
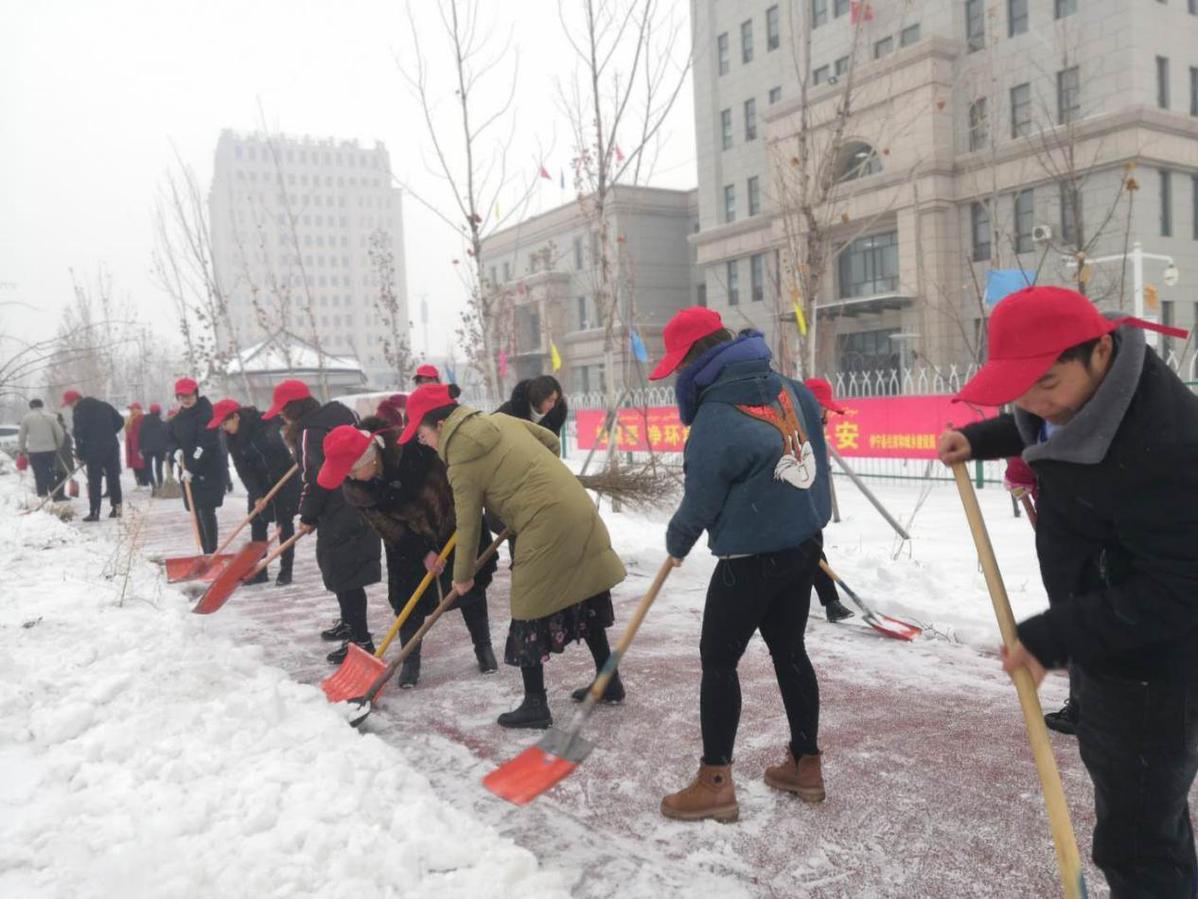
797	465
179	457
186	476
199	452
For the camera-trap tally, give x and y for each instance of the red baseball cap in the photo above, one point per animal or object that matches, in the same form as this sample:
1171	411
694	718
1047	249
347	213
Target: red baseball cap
134	405
221	411
70	396
155	408
1027	333
421	401
186	386
287	392
823	392
343	447
428	371
680	334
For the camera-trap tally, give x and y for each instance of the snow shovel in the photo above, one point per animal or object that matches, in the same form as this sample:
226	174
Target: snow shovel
559	752
49	496
1068	859
187	568
243	566
883	624
181	568
359	669
362	702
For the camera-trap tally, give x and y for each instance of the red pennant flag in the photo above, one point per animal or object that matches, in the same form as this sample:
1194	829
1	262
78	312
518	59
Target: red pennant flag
860	12
545	173
619	154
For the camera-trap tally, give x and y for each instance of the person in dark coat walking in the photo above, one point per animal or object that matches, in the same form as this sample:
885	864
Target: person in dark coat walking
1111	434
153	444
262	460
539	400
347	550
199	455
95	425
825	587
404	494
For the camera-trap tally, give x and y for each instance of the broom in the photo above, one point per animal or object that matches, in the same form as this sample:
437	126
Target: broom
643	487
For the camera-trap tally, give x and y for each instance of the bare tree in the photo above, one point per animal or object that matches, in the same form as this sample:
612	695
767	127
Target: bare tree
396	349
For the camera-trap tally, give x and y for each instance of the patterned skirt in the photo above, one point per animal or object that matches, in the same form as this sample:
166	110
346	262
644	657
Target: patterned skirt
529	643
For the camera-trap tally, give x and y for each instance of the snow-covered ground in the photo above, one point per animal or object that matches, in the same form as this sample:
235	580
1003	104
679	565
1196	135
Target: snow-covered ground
156	753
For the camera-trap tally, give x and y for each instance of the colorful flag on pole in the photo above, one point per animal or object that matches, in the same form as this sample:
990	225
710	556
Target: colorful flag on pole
545	174
638	346
503	363
555	358
800	318
1000	282
619	154
860	12
451	374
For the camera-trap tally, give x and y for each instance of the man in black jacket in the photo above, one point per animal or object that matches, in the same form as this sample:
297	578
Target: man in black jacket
262	460
95	425
1112	435
152	441
199	456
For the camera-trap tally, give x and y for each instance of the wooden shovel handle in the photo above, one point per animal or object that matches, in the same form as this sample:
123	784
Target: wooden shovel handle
1068	858
53	490
195	516
275	553
266	499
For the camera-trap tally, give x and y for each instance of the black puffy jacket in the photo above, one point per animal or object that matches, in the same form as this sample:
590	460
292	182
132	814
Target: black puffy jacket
1117	529
152	437
261	459
203	454
95	425
519	407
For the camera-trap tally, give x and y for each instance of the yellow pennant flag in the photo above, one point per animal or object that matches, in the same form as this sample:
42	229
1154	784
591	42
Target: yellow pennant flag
800	318
555	357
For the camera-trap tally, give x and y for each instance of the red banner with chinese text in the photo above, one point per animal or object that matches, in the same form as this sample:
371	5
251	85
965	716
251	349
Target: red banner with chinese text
891	427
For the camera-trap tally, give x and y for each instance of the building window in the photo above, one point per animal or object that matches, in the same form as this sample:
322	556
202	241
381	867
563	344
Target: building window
840	7
979	222
746	41
701	295
757	277
869	266
842	66
1016	17
979	124
883	47
583	322
578	254
1194	203
729	202
857	161
867	351
909	35
819	13
1071	211
726	129
751	119
775	95
820	75
773	30
1194	88
1068	95
1062	8
721	44
754	195
1166	203
1021	110
1025	215
732	274
507	272
975	24
1162	82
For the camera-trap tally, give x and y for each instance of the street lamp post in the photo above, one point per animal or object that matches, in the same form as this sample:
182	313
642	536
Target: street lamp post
1137	256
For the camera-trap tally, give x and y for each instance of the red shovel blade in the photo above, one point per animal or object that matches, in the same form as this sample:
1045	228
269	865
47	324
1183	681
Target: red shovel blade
893	628
528	775
190	568
355	675
230	577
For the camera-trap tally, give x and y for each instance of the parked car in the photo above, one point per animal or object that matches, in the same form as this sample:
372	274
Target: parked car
8	438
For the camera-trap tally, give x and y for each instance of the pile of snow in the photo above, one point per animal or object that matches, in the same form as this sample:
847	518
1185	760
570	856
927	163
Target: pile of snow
142	756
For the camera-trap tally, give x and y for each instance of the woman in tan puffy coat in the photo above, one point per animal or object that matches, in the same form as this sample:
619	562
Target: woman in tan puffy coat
564	567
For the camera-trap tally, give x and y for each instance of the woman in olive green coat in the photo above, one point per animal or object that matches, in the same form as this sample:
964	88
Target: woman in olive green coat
564	567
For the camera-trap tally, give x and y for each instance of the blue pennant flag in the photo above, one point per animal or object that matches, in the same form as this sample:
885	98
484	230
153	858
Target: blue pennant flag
638	346
1002	282
451	374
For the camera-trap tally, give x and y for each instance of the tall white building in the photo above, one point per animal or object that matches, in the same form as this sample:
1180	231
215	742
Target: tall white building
302	230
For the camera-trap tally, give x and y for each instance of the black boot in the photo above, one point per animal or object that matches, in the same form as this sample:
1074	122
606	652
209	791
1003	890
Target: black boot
479	626
284	578
260	578
486	659
613	693
339	631
91	516
409	672
532	713
115	513
837	611
337	656
1064	721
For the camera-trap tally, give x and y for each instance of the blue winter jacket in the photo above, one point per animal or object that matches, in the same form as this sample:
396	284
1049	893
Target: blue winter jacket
730	490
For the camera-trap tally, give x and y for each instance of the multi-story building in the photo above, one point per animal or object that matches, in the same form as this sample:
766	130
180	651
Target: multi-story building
545	272
303	231
981	134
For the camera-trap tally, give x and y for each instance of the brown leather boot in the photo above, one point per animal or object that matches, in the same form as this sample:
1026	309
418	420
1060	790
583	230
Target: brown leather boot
711	795
803	776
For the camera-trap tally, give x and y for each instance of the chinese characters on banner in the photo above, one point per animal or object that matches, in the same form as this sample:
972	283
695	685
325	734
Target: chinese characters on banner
891	427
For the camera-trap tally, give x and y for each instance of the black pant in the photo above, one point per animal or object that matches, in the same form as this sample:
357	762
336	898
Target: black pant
107	465
353	613
825	587
1139	741
258	531
404	574
207	519
770	592
153	468
43	471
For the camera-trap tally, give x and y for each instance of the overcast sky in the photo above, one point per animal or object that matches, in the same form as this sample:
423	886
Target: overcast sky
93	96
